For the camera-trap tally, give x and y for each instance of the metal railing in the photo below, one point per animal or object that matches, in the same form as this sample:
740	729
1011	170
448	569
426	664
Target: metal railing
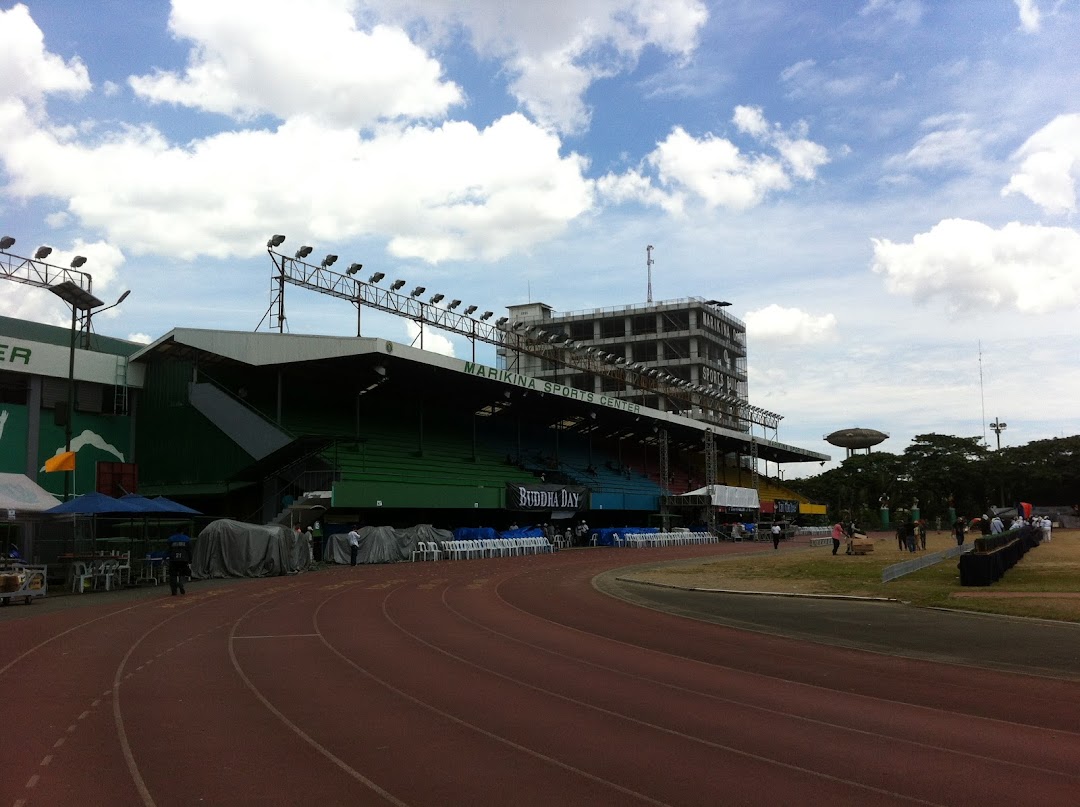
913	565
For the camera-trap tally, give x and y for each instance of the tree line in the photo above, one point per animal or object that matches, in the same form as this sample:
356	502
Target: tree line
940	471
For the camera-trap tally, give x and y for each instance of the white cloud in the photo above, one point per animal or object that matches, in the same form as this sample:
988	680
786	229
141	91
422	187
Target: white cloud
1026	268
906	11
1051	165
140	338
789	326
716	171
555	50
803	156
251	57
27	71
943	148
438	193
434	341
807	79
1030	16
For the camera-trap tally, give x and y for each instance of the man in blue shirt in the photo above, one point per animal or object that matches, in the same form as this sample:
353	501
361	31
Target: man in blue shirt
179	561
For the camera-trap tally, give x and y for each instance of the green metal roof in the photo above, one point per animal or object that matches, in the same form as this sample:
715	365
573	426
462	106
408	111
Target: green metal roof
55	335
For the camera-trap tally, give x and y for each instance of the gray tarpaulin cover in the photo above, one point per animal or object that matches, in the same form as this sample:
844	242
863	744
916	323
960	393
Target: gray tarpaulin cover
228	548
382	544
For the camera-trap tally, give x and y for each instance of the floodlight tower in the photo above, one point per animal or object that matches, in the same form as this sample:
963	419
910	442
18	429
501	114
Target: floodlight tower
997	427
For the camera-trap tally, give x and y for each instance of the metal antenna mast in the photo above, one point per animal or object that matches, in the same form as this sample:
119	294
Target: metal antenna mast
982	395
648	268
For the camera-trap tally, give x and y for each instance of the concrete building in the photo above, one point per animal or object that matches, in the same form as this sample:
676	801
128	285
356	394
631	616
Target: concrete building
691	340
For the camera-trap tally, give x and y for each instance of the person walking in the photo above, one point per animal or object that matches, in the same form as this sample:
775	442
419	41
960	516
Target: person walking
354	545
921	524
776	533
837	537
179	562
958	530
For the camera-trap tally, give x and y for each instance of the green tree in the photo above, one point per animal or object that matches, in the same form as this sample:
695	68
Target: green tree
945	468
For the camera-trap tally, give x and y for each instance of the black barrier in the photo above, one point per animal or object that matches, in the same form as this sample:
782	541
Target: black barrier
996	555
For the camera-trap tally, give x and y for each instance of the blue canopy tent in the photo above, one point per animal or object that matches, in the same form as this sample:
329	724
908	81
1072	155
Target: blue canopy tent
93	504
169	506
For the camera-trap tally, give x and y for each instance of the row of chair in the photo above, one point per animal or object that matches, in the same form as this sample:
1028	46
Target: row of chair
104	572
639	540
487	548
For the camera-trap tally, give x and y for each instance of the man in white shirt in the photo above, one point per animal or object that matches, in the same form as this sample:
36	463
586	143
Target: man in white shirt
354	545
1045	525
776	532
997	526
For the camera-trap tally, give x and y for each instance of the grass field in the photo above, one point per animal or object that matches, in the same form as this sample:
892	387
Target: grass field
1045	583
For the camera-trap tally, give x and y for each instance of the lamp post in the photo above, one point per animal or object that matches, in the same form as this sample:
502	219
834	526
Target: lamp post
997	427
84	301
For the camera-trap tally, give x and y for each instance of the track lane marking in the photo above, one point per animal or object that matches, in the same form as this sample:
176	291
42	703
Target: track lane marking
326	752
662	729
749	705
774	678
490	735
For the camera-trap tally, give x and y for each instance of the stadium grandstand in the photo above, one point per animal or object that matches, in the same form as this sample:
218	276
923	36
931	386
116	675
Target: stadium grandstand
273	426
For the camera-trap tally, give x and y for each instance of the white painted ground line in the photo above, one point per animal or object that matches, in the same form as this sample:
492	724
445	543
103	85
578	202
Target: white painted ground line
760	593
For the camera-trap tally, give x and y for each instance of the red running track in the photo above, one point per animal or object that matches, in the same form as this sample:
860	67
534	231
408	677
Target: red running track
505	681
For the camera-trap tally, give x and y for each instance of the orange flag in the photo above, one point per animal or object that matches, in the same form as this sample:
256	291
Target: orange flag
64	461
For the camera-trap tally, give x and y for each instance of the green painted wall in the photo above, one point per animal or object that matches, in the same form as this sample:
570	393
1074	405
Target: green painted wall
177	445
16	421
364	495
94	438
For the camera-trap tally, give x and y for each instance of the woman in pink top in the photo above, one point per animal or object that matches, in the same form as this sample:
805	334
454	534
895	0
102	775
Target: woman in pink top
837	536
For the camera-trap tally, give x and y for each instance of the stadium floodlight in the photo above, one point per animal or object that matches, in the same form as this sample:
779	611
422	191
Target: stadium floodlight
397	284
470	310
303	252
438	298
501	321
375	278
77	261
328	261
275	241
453	304
487	315
417	291
42	253
519	325
553	338
7	242
354	268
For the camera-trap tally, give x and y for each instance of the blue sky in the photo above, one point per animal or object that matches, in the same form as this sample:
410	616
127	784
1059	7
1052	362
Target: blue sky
879	187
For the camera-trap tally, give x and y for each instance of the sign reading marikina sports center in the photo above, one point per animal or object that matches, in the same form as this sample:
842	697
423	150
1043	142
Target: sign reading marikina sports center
550	387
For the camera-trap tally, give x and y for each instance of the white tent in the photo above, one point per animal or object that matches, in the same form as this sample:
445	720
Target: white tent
725	496
21	494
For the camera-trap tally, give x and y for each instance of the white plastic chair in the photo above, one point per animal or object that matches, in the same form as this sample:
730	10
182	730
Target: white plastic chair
434	551
79	577
421	550
124	568
107	571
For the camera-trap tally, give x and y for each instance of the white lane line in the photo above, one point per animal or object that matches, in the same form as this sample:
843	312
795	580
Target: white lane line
71	728
84	715
47	759
59	742
279	636
32	782
94	703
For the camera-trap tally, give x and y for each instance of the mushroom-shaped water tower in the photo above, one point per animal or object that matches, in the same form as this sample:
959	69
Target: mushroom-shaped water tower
851	440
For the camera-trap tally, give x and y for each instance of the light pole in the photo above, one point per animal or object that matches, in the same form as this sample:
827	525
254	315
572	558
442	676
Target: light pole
997	427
